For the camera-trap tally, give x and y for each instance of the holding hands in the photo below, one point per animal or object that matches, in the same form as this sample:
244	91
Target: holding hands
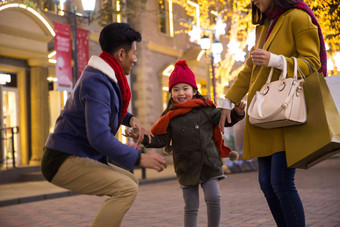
225	115
136	125
240	108
150	160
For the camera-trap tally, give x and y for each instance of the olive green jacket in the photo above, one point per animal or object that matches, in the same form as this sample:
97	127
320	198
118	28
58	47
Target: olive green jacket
194	152
294	35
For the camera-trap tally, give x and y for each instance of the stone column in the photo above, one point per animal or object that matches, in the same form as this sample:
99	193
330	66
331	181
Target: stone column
39	110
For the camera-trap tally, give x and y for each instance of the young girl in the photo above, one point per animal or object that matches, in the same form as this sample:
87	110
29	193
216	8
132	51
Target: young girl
191	123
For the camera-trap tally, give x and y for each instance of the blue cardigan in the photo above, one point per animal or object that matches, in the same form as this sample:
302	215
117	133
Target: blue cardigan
90	119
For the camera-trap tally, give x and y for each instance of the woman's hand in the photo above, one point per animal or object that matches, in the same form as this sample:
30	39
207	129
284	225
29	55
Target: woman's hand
260	57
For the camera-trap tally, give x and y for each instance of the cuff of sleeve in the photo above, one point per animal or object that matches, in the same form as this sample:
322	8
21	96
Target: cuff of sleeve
138	159
227	104
275	61
129	119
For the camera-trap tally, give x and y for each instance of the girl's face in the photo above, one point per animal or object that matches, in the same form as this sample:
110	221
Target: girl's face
263	5
182	92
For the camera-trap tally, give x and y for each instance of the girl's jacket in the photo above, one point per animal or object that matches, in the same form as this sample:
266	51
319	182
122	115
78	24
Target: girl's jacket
196	158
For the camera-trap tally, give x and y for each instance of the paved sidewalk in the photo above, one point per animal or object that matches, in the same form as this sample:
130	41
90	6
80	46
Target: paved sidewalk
161	205
17	193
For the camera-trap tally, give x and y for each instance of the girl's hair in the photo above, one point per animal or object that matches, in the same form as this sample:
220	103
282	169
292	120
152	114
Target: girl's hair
258	17
196	96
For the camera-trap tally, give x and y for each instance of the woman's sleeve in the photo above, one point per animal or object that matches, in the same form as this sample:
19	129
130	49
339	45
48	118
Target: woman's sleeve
307	44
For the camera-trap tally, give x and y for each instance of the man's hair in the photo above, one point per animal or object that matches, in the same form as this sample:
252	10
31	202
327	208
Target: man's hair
118	35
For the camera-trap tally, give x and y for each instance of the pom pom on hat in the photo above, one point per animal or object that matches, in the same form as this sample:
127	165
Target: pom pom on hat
182	74
233	156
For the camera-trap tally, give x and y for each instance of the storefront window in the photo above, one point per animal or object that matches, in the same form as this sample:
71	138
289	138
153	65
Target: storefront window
56	100
10	146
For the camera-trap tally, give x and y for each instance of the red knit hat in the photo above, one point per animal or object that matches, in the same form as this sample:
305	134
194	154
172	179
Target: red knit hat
182	74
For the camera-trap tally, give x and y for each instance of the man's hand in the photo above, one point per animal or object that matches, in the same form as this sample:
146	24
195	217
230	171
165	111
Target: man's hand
225	115
153	161
141	131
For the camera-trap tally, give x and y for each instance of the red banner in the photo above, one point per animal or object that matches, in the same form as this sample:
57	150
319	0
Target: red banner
62	45
83	49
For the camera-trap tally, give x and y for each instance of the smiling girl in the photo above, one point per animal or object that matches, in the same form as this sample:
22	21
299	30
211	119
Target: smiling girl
191	123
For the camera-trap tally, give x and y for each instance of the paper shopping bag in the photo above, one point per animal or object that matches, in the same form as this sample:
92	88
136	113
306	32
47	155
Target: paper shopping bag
333	83
319	138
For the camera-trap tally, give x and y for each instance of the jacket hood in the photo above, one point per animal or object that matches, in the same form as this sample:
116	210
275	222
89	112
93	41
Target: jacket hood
99	63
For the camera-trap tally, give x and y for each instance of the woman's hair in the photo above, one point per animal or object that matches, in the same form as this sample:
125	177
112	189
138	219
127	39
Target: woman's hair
258	17
118	35
196	96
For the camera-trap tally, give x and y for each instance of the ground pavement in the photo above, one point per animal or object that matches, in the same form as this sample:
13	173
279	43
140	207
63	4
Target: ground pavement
161	205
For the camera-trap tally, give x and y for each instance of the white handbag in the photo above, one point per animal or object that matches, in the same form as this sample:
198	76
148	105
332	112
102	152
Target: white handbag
279	103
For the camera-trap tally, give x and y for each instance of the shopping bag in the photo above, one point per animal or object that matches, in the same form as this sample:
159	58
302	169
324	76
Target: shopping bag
319	138
333	83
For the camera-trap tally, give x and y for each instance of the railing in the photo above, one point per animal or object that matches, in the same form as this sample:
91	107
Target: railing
7	138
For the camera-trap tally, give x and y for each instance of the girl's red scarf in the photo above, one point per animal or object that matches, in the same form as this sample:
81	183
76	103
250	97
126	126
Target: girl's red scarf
276	13
160	127
122	81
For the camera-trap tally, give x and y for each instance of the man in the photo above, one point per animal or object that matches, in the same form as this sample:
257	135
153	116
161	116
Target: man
76	153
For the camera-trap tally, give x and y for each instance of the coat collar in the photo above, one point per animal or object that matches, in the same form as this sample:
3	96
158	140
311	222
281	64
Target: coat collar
98	63
275	30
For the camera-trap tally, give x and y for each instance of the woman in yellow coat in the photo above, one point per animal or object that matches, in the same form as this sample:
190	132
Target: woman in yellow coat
286	28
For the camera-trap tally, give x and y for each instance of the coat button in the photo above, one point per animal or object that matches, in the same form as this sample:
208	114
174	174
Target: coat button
197	127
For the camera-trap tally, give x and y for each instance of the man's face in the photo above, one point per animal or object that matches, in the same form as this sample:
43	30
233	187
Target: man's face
129	59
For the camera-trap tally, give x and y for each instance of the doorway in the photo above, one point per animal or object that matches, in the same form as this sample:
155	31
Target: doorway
10	146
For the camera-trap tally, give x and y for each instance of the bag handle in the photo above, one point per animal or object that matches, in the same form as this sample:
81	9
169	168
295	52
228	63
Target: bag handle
311	68
283	74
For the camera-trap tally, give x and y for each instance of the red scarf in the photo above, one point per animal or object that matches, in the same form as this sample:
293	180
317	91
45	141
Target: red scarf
160	127
122	81
276	13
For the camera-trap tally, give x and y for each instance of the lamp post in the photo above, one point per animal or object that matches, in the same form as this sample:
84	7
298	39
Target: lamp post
217	49
215	57
88	6
205	45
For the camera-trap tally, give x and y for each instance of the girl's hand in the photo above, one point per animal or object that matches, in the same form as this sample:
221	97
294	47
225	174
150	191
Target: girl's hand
240	108
130	133
260	57
136	125
225	116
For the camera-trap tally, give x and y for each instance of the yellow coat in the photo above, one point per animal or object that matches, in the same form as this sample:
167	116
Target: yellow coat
294	35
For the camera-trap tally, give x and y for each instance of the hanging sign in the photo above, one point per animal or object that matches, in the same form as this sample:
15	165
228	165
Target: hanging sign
62	45
83	49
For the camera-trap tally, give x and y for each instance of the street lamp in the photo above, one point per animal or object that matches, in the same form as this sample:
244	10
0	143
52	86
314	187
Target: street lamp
215	57
205	45
216	49
88	7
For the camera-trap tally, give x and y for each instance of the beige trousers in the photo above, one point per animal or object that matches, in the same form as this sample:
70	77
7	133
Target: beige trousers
87	176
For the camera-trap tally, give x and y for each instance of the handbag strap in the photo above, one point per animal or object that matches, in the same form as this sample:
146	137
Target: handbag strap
311	68
283	74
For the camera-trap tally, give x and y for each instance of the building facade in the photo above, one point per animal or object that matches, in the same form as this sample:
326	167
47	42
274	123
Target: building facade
29	99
